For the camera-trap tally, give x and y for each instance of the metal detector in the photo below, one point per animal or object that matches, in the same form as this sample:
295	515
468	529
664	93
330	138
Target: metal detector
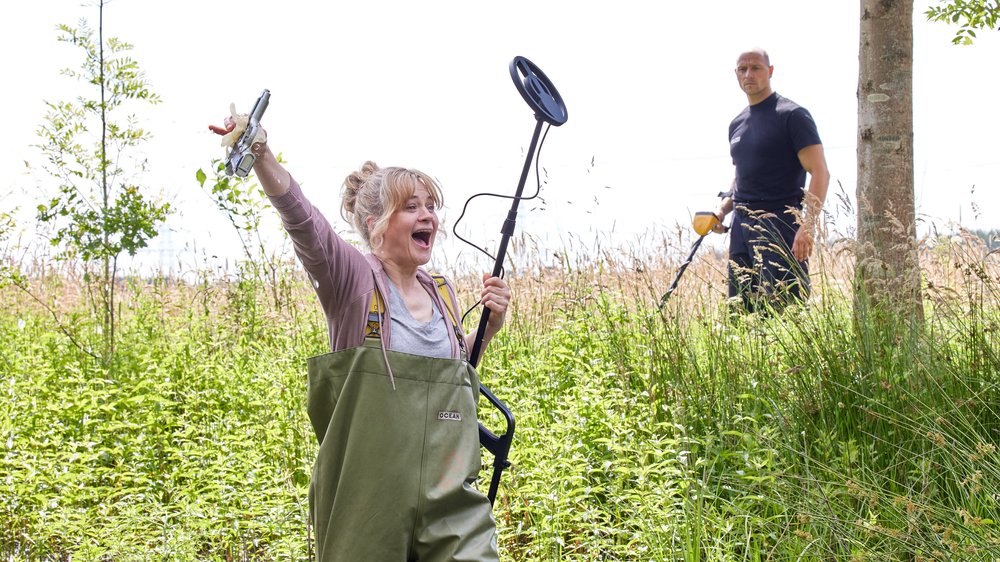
703	224
539	93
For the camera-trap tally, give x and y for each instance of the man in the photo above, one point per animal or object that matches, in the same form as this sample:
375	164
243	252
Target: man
773	143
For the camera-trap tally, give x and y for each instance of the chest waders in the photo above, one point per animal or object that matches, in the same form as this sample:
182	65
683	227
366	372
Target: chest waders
393	480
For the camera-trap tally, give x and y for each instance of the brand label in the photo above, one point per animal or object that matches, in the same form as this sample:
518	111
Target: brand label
450	416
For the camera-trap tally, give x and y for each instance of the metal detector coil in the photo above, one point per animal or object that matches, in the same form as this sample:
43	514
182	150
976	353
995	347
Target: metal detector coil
538	91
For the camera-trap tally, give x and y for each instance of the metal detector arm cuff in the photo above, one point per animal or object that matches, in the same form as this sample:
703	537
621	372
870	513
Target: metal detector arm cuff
498	445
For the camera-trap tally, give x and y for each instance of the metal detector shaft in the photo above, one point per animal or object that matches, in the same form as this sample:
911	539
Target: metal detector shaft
507	231
687	262
499	445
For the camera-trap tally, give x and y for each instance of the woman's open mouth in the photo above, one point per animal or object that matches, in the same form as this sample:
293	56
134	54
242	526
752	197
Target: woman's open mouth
422	238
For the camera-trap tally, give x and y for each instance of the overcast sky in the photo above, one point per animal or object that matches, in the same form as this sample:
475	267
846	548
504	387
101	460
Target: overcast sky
649	89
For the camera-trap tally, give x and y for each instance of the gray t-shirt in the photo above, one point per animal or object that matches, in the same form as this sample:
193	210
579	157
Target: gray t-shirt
409	335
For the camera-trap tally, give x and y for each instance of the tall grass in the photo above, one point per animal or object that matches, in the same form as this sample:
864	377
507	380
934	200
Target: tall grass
682	434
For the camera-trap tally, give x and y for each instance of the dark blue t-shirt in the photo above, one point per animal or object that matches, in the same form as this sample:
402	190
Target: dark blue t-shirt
764	141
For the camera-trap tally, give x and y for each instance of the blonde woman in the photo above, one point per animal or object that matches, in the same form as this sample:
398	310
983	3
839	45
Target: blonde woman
394	403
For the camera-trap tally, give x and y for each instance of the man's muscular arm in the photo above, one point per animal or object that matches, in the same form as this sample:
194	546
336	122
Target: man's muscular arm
813	161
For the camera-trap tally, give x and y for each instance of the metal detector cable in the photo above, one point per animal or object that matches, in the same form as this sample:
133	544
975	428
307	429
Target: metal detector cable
538	190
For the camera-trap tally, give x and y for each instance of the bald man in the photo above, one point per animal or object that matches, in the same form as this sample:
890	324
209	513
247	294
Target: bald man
774	143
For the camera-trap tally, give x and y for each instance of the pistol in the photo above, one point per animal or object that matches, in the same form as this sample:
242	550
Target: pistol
240	159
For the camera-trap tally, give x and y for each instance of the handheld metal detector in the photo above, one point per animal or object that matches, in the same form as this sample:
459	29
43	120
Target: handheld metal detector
703	224
541	95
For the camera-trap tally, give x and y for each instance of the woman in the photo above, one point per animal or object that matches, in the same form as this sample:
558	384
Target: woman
394	404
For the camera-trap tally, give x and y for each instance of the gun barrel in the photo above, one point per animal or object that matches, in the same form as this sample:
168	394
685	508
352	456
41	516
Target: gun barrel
260	106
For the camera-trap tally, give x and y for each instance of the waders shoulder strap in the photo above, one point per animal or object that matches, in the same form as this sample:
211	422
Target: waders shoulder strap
375	313
442	287
449	303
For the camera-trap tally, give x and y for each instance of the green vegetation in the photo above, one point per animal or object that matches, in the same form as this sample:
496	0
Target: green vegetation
92	153
685	436
969	15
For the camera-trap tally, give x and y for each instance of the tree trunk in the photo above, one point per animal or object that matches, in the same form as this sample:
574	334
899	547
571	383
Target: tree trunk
887	269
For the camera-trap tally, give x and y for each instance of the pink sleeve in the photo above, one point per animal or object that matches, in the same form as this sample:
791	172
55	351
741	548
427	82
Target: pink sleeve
338	271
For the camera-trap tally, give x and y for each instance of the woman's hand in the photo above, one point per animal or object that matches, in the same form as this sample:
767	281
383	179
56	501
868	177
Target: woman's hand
228	126
274	179
234	126
496	297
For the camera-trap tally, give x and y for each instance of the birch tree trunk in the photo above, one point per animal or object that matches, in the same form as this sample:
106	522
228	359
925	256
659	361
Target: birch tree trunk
887	269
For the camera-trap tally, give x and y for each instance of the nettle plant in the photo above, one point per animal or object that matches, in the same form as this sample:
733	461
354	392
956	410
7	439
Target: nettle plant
99	211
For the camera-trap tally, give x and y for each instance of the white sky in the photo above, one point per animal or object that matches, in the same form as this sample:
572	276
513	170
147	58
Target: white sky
648	86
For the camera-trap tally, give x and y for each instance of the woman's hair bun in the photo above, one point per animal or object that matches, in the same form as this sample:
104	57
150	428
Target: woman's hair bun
354	182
